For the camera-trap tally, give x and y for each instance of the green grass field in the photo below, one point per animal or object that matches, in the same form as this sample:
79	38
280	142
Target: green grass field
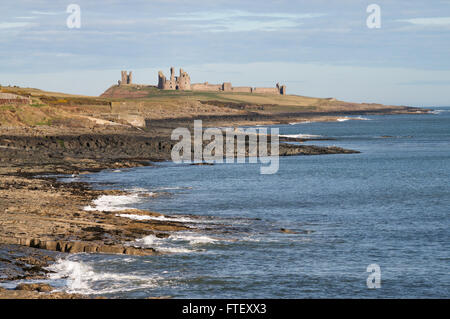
149	102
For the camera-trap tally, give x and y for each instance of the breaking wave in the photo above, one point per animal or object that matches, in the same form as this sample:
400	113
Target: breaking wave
79	277
436	112
162	218
300	135
303	122
176	243
360	118
113	203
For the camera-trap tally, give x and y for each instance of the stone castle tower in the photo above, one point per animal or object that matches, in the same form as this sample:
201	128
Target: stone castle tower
281	89
126	78
181	82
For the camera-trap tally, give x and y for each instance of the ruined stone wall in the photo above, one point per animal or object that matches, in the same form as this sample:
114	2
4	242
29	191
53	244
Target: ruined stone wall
226	87
170	85
206	87
242	89
266	90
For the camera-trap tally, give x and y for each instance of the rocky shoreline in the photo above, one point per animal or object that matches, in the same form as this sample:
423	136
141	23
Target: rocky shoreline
42	218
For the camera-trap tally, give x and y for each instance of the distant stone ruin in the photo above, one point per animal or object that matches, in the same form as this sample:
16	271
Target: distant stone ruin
183	82
127	78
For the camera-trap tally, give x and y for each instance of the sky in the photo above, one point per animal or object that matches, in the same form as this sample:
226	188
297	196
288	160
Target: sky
320	48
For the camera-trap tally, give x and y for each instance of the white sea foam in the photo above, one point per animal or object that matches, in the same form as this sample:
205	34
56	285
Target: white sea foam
135	217
81	278
300	135
136	190
303	122
175	250
361	118
162	218
175	243
150	240
171	188
161	244
439	111
113	203
193	239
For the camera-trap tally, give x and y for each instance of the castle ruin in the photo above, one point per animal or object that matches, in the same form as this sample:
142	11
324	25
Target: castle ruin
183	82
127	78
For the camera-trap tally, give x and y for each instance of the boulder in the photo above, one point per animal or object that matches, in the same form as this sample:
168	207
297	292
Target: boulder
35	287
111	249
48	244
91	248
74	247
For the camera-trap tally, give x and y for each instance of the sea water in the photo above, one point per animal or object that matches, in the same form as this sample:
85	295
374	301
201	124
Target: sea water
388	205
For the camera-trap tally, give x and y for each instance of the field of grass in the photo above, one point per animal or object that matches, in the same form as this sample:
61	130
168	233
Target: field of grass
36	92
148	102
46	108
271	103
154	94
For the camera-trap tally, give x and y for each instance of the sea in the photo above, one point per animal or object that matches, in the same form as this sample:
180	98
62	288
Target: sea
369	225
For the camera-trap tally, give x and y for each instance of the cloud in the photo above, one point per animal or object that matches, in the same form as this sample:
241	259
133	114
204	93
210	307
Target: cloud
238	21
431	82
13	25
48	13
203	16
436	21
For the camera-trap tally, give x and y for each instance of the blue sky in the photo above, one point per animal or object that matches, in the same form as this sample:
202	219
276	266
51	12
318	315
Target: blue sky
317	48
